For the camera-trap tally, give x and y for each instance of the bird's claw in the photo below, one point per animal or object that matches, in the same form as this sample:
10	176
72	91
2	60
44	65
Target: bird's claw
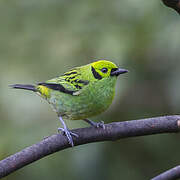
96	124
68	134
100	125
71	133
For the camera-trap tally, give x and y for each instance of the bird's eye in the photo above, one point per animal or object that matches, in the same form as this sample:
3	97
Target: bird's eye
104	70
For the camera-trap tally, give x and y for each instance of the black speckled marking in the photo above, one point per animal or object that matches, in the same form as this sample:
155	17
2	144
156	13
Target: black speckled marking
70	73
78	87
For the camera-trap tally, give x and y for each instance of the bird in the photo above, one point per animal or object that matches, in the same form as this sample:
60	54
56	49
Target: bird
80	93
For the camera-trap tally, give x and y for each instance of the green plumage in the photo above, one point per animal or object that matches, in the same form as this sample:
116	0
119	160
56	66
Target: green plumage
89	101
81	93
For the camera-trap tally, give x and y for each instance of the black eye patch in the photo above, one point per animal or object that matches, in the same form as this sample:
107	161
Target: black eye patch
104	70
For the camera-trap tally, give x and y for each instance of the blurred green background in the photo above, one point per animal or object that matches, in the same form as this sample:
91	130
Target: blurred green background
42	39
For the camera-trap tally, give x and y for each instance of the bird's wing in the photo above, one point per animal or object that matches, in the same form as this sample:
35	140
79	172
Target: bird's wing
70	83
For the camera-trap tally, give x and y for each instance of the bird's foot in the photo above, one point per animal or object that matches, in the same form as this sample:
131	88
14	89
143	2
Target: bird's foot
99	124
71	133
96	124
68	134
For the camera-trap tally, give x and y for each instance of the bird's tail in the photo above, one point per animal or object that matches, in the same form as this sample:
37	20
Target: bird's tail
24	86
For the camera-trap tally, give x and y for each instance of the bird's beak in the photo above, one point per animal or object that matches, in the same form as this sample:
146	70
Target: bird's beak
118	71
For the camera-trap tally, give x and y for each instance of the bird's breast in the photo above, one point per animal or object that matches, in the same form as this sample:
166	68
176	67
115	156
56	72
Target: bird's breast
94	99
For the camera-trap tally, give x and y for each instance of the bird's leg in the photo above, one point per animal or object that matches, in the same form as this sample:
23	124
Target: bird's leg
95	124
67	132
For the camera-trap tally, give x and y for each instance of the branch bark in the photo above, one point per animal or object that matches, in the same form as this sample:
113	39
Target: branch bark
174	4
171	174
113	131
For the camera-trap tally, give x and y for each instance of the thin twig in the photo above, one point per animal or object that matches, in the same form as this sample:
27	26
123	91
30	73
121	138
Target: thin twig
171	174
113	131
174	4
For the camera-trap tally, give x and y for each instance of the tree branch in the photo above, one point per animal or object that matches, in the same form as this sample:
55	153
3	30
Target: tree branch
113	131
171	174
174	4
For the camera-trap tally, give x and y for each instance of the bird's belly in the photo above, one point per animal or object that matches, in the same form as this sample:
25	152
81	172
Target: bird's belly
83	106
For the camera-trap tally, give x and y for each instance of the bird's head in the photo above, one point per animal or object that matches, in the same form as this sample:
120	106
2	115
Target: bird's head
103	68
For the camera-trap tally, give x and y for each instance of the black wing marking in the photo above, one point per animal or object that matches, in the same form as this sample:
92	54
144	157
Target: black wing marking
57	87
